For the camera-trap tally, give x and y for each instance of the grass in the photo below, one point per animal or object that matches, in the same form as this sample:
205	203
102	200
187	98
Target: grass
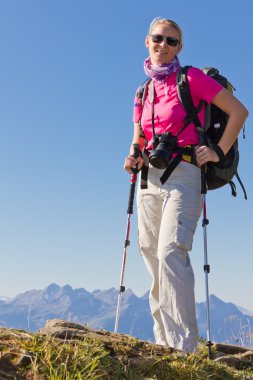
33	356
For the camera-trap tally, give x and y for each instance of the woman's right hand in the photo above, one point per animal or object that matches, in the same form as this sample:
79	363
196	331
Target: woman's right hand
132	162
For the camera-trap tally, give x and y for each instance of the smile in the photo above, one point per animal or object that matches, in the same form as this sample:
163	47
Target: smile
161	52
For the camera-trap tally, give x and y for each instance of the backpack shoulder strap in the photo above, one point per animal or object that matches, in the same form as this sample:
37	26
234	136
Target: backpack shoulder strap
185	98
142	91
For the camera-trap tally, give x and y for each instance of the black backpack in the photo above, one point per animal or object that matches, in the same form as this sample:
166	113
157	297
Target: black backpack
217	174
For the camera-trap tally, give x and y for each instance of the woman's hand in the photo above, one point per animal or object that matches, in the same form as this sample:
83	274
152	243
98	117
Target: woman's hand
132	162
205	154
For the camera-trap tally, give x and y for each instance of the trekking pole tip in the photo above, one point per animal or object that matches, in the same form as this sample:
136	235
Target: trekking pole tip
209	345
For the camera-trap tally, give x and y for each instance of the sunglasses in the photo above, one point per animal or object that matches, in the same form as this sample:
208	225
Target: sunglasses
158	38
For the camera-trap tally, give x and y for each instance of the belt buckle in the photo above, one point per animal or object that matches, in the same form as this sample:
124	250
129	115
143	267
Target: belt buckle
187	157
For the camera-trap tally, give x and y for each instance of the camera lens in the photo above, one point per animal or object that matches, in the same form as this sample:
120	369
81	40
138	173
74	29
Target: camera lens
161	156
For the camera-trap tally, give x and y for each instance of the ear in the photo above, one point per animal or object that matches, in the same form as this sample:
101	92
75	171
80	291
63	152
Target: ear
147	42
179	48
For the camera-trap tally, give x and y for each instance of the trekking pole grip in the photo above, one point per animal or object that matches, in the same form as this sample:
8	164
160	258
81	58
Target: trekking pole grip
202	141
133	180
131	195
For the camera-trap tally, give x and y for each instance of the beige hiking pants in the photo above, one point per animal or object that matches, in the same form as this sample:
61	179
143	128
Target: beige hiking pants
167	219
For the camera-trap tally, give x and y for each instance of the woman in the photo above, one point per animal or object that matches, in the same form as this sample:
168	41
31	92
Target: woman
168	213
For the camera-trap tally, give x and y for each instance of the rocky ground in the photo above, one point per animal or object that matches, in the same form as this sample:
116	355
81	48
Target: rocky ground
63	350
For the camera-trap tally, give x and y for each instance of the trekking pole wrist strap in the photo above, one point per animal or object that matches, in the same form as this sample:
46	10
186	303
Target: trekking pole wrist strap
221	155
136	151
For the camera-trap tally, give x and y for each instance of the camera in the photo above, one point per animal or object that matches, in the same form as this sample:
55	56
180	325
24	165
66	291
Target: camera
163	147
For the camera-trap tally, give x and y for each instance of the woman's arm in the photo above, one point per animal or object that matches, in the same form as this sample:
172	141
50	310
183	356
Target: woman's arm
131	161
237	115
137	139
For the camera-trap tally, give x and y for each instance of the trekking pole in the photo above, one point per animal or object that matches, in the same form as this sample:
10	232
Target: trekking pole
133	180
205	222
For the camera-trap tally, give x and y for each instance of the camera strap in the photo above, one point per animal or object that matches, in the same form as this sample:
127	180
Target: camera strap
151	100
174	162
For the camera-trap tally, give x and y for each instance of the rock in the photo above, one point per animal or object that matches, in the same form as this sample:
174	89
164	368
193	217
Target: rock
235	362
63	329
229	349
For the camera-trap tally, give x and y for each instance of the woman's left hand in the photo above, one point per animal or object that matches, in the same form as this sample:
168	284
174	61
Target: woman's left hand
205	154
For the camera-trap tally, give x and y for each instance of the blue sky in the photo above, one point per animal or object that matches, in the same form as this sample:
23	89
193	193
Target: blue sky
68	73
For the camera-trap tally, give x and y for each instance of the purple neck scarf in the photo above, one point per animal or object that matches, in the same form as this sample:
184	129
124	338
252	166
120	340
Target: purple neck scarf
160	72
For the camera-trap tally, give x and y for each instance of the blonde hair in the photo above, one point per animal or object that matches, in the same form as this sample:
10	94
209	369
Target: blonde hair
159	20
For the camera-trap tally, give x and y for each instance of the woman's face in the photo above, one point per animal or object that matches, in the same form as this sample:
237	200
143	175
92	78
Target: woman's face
161	52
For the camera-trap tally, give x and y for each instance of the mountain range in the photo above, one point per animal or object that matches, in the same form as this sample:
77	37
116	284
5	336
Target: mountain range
30	310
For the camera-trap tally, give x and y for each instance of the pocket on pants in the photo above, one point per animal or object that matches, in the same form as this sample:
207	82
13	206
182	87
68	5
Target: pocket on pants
183	236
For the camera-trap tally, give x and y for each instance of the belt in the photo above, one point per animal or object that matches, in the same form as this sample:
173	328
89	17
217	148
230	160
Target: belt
186	153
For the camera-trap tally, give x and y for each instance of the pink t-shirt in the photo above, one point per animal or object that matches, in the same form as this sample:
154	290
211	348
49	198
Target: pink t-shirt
168	110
